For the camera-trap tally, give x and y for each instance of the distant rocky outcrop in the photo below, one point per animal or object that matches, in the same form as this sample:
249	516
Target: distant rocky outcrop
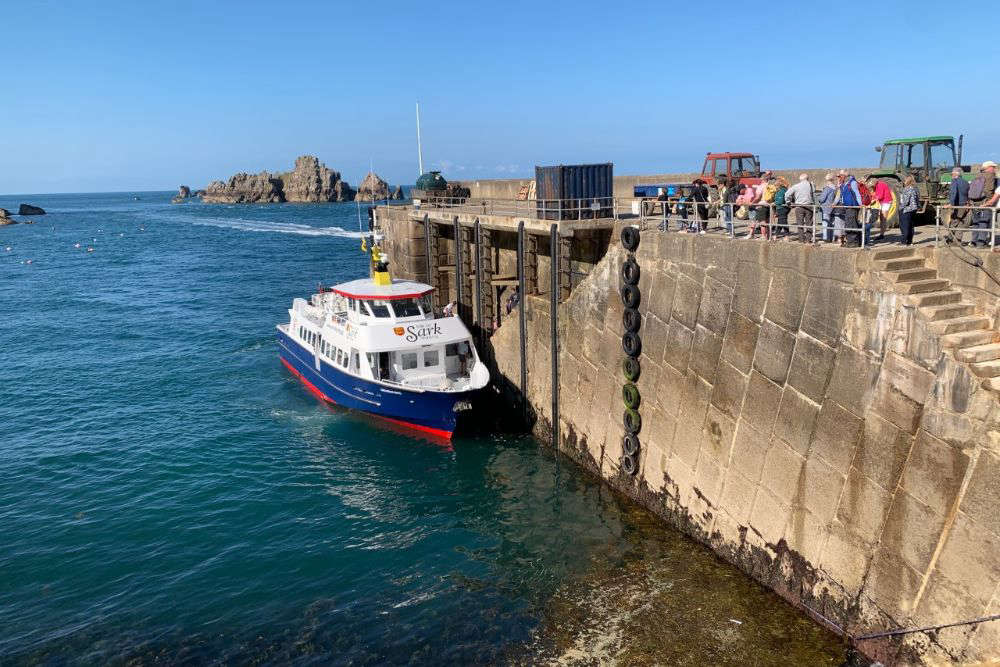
309	181
244	188
5	218
397	194
28	209
373	188
313	181
183	193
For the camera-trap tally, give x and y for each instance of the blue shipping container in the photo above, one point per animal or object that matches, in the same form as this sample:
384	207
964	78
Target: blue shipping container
574	192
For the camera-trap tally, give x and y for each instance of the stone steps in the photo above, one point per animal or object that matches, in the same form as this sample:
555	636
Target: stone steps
919	286
947	311
987	369
959	324
912	275
934	298
966	339
979	353
892	253
899	264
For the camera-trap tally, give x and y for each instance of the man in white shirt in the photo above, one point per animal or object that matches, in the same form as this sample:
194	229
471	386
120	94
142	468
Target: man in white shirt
800	198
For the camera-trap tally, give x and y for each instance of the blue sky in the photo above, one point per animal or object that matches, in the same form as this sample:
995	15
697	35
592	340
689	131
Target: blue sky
135	96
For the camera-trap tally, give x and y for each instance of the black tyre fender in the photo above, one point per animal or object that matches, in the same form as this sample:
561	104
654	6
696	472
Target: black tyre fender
631	420
630	295
630	445
631	319
632	344
631	369
630	272
630	465
630	238
630	395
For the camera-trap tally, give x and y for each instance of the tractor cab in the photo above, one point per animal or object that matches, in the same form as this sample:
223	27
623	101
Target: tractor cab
928	159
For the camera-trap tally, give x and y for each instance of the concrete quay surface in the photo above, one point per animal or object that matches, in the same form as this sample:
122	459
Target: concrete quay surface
806	413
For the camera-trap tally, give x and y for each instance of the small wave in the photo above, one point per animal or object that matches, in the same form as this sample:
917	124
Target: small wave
244	225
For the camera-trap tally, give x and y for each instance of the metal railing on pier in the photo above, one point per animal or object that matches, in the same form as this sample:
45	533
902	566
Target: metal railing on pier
952	222
536	209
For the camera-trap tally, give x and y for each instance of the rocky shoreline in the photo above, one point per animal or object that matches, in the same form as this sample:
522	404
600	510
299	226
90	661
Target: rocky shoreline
309	181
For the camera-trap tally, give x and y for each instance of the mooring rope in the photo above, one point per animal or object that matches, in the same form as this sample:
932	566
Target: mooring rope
956	245
929	628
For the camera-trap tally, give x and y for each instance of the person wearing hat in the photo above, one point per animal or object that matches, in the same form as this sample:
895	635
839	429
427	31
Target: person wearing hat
983	218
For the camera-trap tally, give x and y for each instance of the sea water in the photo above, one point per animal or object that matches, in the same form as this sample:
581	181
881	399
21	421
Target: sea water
170	493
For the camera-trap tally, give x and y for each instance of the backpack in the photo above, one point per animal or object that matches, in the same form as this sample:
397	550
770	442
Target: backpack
769	193
866	194
977	188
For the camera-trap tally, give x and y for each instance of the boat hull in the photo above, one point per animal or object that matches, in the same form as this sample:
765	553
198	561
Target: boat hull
428	411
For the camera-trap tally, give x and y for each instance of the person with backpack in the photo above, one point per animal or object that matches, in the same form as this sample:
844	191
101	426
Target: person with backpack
882	196
851	199
982	194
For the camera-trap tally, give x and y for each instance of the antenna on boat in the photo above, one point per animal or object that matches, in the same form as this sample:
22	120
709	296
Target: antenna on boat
420	153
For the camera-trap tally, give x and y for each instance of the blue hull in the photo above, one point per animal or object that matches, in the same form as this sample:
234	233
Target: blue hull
428	411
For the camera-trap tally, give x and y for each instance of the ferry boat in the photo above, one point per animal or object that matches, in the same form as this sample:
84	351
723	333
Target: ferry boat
377	345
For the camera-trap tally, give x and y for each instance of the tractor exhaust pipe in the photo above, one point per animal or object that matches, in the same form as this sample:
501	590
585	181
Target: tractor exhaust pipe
960	138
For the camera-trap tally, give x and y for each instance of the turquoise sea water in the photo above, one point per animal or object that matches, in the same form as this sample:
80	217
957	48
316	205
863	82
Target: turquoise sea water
169	493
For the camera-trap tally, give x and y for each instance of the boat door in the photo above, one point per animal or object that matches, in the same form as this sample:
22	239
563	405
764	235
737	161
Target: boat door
383	365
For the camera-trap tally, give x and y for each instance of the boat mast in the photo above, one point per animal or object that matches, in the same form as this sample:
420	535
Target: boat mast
420	154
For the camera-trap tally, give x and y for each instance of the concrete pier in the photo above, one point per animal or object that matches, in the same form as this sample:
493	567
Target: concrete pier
826	419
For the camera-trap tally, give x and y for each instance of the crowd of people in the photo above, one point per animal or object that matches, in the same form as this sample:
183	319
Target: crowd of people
850	209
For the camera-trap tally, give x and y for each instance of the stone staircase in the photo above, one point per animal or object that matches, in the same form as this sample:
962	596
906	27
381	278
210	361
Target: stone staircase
968	335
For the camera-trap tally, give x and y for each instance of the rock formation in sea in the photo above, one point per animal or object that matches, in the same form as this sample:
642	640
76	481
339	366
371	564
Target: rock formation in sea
397	194
28	209
5	218
309	181
183	193
373	188
244	188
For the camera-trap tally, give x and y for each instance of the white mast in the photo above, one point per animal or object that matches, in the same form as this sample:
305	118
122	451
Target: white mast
420	154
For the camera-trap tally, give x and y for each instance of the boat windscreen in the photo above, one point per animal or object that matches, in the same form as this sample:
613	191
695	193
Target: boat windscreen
406	308
378	308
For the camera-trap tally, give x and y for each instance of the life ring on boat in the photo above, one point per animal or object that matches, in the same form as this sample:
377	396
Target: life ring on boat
630	465
630	238
630	444
630	395
632	420
631	369
630	295
630	272
632	344
631	320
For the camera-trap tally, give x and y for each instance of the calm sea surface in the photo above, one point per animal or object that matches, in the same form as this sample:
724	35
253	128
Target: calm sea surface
169	493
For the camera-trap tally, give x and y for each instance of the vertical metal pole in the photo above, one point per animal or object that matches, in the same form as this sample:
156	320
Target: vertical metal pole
458	268
479	277
554	322
862	218
427	250
522	298
993	230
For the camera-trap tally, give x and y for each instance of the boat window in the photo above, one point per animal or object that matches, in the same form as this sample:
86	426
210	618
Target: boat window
340	355
343	362
378	308
451	350
431	357
355	361
406	308
427	303
352	304
408	360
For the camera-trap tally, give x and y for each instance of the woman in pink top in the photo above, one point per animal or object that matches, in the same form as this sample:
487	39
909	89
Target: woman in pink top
883	195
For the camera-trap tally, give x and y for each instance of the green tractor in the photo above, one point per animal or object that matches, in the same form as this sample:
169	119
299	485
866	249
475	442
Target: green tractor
928	159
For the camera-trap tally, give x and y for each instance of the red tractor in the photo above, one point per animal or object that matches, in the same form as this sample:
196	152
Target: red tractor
742	166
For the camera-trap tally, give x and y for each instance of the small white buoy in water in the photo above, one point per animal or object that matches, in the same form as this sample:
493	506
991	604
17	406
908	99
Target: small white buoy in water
142	228
7	248
27	261
90	249
121	235
76	245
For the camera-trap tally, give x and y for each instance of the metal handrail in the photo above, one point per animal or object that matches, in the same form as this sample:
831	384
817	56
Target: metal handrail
582	208
951	229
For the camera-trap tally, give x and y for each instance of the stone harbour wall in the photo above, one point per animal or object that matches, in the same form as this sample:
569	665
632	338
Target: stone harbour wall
799	419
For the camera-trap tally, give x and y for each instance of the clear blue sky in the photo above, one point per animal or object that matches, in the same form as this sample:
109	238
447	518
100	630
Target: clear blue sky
134	95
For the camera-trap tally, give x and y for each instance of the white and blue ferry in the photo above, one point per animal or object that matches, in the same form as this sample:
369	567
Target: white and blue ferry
376	345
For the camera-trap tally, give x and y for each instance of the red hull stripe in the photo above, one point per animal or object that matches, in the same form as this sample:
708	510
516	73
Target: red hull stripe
382	297
441	433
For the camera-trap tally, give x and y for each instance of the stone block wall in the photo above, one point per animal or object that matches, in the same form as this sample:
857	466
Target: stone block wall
799	419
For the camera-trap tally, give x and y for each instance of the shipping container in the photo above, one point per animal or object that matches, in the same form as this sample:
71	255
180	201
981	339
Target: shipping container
575	191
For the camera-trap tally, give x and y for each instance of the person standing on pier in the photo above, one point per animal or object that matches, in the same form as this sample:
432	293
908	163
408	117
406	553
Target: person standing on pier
826	199
700	195
800	197
849	198
958	196
909	202
983	195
